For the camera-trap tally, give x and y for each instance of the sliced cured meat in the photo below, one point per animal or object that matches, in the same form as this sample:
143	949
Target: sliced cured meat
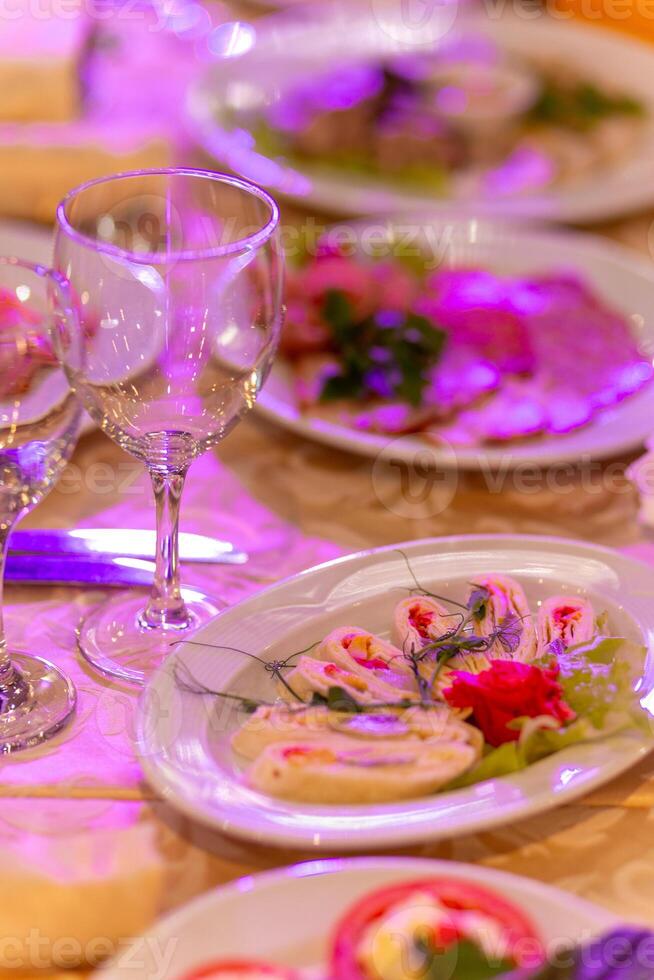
472	306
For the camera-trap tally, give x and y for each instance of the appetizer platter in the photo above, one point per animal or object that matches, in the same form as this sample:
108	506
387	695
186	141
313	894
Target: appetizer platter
473	116
466	343
407	693
383	919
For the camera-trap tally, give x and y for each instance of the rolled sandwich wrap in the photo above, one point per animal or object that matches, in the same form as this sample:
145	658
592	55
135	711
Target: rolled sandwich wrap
506	603
365	653
418	620
568	619
311	676
348	772
283	722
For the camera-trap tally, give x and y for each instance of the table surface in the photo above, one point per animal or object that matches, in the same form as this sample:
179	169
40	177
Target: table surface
89	855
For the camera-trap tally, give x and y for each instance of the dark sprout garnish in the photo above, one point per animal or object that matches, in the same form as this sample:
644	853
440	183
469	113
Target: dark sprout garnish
478	601
460	639
421	589
509	632
556	648
387	355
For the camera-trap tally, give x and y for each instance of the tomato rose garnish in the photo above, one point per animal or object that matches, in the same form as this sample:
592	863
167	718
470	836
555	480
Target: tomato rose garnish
508	690
461	903
243	969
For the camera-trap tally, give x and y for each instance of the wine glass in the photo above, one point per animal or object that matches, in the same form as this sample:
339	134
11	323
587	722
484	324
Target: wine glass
39	420
179	277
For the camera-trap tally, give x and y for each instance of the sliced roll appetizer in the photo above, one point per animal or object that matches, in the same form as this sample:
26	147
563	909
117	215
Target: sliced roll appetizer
419	620
565	619
241	970
434	927
284	722
502	603
461	692
347	771
317	677
365	654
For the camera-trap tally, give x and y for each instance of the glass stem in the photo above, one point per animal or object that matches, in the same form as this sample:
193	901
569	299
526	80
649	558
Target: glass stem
6	669
166	607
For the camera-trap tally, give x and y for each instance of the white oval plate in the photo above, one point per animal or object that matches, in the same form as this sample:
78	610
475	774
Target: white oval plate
286	916
183	738
289	47
623	279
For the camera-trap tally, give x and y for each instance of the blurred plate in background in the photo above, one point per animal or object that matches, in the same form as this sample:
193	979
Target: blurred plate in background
288	915
291	47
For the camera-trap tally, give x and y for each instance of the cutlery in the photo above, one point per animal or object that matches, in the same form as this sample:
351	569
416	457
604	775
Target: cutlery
72	570
120	543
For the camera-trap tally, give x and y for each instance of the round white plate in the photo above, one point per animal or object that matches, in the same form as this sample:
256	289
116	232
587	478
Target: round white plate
292	47
287	916
620	277
183	738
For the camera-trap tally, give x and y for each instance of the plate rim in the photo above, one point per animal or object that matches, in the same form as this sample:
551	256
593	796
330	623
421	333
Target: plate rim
392	836
529	234
490	877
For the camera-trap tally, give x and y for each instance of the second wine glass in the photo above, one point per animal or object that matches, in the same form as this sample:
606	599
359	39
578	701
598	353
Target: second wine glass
178	275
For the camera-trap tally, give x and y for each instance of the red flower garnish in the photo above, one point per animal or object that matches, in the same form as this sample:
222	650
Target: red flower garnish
508	690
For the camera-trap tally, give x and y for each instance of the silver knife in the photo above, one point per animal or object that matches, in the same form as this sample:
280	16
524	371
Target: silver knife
71	570
121	543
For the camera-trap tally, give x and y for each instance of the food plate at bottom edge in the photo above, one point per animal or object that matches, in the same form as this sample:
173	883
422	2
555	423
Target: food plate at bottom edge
289	917
184	738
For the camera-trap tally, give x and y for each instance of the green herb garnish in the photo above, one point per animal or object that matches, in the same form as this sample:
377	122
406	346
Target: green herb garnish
580	106
463	959
388	355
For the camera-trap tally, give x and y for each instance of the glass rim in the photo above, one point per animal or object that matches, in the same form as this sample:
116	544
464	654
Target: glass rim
41	271
37	268
256	239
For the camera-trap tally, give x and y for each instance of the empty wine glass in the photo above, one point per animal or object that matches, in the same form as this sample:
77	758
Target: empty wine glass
179	279
39	419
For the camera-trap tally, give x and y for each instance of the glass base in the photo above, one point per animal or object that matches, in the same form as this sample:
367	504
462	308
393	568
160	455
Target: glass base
114	641
40	702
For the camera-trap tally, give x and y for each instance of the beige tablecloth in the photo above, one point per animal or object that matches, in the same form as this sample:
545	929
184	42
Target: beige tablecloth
88	855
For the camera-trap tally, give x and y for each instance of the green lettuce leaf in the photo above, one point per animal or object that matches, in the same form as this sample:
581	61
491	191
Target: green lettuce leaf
599	681
501	761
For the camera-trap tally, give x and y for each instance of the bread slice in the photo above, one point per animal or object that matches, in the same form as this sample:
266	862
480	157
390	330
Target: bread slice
40	56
